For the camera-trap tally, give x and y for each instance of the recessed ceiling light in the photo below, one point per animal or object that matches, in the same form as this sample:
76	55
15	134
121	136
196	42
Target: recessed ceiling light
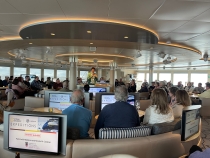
52	34
126	37
91	43
27	37
30	43
151	47
94	52
88	31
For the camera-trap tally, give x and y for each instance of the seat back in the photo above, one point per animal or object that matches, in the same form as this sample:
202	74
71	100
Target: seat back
144	104
19	103
205	102
205	107
144	95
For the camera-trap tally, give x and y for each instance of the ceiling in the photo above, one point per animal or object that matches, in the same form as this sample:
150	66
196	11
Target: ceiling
183	22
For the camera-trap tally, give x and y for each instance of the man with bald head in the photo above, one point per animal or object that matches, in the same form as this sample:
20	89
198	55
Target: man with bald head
78	116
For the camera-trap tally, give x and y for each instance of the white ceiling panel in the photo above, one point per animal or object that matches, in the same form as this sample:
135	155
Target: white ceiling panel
164	25
20	19
201	38
5	7
203	17
4	30
179	36
130	9
180	10
194	27
85	8
37	6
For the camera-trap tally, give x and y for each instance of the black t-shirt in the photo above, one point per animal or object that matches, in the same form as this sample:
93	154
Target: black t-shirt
27	83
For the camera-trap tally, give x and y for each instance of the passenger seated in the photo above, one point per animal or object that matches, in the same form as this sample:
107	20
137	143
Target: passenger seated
205	94
65	87
182	100
19	91
159	111
78	116
199	89
57	85
143	88
35	84
172	93
189	88
119	114
86	88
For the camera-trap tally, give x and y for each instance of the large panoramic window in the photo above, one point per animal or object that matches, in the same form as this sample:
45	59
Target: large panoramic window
83	75
48	73
19	71
61	74
165	77
183	77
199	78
5	71
140	77
34	71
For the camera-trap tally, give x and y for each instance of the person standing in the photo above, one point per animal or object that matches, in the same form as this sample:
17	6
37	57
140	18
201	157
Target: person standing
92	76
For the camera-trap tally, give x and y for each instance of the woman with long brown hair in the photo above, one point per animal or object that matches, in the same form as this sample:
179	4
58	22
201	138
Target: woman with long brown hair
159	111
182	100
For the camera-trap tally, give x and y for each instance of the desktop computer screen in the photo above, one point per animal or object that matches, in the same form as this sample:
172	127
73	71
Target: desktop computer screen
110	98
60	101
95	90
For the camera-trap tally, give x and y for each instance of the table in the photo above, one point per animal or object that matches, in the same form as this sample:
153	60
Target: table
141	113
46	109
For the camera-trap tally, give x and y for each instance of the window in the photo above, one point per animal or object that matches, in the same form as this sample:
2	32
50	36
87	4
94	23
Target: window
154	77
83	75
140	77
180	77
5	71
61	74
165	77
199	78
34	71
48	73
18	71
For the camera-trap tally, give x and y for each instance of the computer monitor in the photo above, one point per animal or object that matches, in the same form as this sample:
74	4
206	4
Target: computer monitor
35	132
95	90
61	101
109	99
190	122
47	98
98	101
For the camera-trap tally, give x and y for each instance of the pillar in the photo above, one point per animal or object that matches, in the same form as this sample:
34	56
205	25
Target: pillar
150	74
112	76
12	70
55	73
27	69
72	74
42	74
100	73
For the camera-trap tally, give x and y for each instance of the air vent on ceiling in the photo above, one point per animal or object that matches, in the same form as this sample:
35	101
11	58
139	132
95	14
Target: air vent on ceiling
93	49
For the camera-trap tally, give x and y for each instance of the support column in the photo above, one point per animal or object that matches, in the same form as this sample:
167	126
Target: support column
112	76
72	74
28	70
100	73
42	74
12	70
150	74
55	73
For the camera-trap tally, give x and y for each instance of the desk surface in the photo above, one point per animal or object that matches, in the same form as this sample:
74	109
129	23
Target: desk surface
141	113
46	109
194	96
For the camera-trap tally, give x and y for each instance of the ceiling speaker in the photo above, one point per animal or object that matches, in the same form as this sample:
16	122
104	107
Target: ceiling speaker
18	62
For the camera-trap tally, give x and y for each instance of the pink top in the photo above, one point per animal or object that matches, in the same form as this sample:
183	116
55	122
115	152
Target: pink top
18	88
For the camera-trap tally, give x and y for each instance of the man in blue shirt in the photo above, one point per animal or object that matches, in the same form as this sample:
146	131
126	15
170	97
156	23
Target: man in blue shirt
119	114
78	116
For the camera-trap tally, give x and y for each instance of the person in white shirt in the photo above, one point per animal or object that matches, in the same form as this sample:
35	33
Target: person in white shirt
206	94
189	87
159	111
182	100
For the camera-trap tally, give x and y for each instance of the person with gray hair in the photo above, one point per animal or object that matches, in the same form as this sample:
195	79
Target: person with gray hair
119	114
78	116
65	87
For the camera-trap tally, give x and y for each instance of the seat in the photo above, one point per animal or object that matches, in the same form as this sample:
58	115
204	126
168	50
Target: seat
33	102
144	104
205	107
18	103
144	95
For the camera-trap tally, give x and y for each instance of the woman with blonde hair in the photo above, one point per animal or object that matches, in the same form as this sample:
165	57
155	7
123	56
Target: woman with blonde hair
182	100
159	111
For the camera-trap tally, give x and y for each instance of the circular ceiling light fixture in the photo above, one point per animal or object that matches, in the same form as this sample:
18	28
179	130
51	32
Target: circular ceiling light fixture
89	31
30	43
126	37
52	34
162	55
91	43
